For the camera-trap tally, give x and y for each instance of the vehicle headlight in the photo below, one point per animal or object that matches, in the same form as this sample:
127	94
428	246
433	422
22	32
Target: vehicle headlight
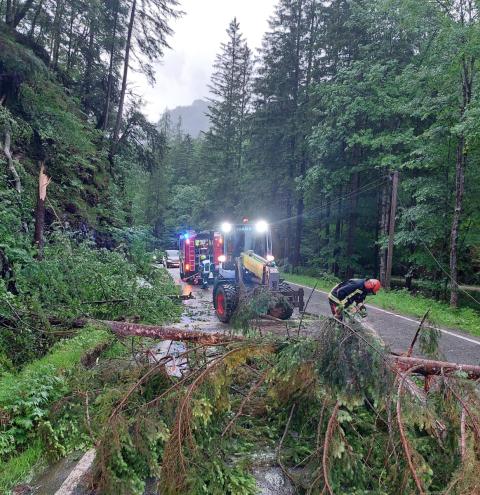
222	258
270	257
226	227
261	226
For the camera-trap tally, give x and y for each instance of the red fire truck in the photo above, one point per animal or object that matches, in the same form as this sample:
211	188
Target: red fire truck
199	251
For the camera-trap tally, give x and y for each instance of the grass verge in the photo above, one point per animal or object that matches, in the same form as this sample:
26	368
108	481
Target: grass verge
20	467
405	303
25	399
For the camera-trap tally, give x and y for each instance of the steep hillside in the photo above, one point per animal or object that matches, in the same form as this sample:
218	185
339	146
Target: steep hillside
45	124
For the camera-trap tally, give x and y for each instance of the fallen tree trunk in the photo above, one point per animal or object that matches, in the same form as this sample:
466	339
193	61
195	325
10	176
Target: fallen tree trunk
125	329
431	367
402	363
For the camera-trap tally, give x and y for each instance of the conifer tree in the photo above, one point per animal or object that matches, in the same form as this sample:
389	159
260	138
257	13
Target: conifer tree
230	90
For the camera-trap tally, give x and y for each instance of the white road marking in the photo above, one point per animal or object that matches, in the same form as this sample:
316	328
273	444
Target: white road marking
443	330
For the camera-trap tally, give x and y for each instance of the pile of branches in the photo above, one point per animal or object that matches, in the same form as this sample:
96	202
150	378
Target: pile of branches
337	411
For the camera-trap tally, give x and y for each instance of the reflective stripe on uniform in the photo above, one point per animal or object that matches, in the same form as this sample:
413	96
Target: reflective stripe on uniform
336	300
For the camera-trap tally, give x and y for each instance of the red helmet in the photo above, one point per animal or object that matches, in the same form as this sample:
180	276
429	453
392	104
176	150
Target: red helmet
373	284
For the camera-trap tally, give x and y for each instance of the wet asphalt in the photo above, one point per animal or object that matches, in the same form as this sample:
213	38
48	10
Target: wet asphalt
398	331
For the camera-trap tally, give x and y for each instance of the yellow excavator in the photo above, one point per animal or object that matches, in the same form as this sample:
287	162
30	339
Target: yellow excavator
246	267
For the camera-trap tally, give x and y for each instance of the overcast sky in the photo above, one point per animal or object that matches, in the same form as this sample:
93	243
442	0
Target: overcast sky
185	71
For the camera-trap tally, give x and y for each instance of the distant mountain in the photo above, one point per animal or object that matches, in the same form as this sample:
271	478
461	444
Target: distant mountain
193	117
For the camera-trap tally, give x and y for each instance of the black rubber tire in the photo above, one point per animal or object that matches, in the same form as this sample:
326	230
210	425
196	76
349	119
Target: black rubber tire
281	311
229	294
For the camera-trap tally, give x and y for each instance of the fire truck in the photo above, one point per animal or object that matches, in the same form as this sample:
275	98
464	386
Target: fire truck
199	252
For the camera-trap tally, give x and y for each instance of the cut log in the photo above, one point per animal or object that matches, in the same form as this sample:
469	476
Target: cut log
431	367
125	329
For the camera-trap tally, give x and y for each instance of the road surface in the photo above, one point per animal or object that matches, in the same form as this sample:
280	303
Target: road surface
398	331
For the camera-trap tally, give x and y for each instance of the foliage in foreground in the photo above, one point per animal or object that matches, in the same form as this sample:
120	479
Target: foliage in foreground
26	399
72	281
331	410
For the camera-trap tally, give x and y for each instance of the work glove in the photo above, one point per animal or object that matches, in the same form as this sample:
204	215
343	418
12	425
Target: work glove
362	311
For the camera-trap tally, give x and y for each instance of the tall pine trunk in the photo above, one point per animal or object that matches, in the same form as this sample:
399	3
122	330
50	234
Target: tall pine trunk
118	122
56	35
461	161
106	112
352	222
459	190
382	232
9	13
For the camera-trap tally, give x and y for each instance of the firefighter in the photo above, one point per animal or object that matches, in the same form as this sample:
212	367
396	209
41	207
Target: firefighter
352	291
204	270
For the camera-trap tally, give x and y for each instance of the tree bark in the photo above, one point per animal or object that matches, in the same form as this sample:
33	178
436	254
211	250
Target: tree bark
338	235
87	85
431	367
43	182
123	329
10	163
9	13
121	103
460	165
21	12
391	230
383	229
352	222
106	112
57	33
35	18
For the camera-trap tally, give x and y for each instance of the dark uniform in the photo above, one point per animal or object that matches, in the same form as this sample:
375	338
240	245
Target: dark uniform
348	292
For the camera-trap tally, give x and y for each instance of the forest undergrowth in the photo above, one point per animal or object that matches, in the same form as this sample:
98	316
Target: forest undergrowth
50	342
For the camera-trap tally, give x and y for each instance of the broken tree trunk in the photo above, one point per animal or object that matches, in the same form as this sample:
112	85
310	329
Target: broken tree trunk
124	329
43	182
10	163
431	367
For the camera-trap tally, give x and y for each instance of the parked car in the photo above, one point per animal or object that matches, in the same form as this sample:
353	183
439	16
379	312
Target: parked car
171	258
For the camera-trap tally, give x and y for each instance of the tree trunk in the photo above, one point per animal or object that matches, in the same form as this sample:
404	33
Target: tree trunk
352	222
57	33
123	329
9	13
391	230
21	12
298	230
459	190
106	112
338	235
43	182
35	18
383	229
121	103
10	163
461	161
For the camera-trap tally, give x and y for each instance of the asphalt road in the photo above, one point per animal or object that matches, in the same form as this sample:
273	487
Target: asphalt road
398	331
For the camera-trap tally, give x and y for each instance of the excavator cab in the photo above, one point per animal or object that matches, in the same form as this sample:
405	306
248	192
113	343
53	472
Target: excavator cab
246	266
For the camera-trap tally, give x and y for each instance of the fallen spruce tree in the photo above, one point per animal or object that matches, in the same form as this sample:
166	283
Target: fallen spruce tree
335	411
